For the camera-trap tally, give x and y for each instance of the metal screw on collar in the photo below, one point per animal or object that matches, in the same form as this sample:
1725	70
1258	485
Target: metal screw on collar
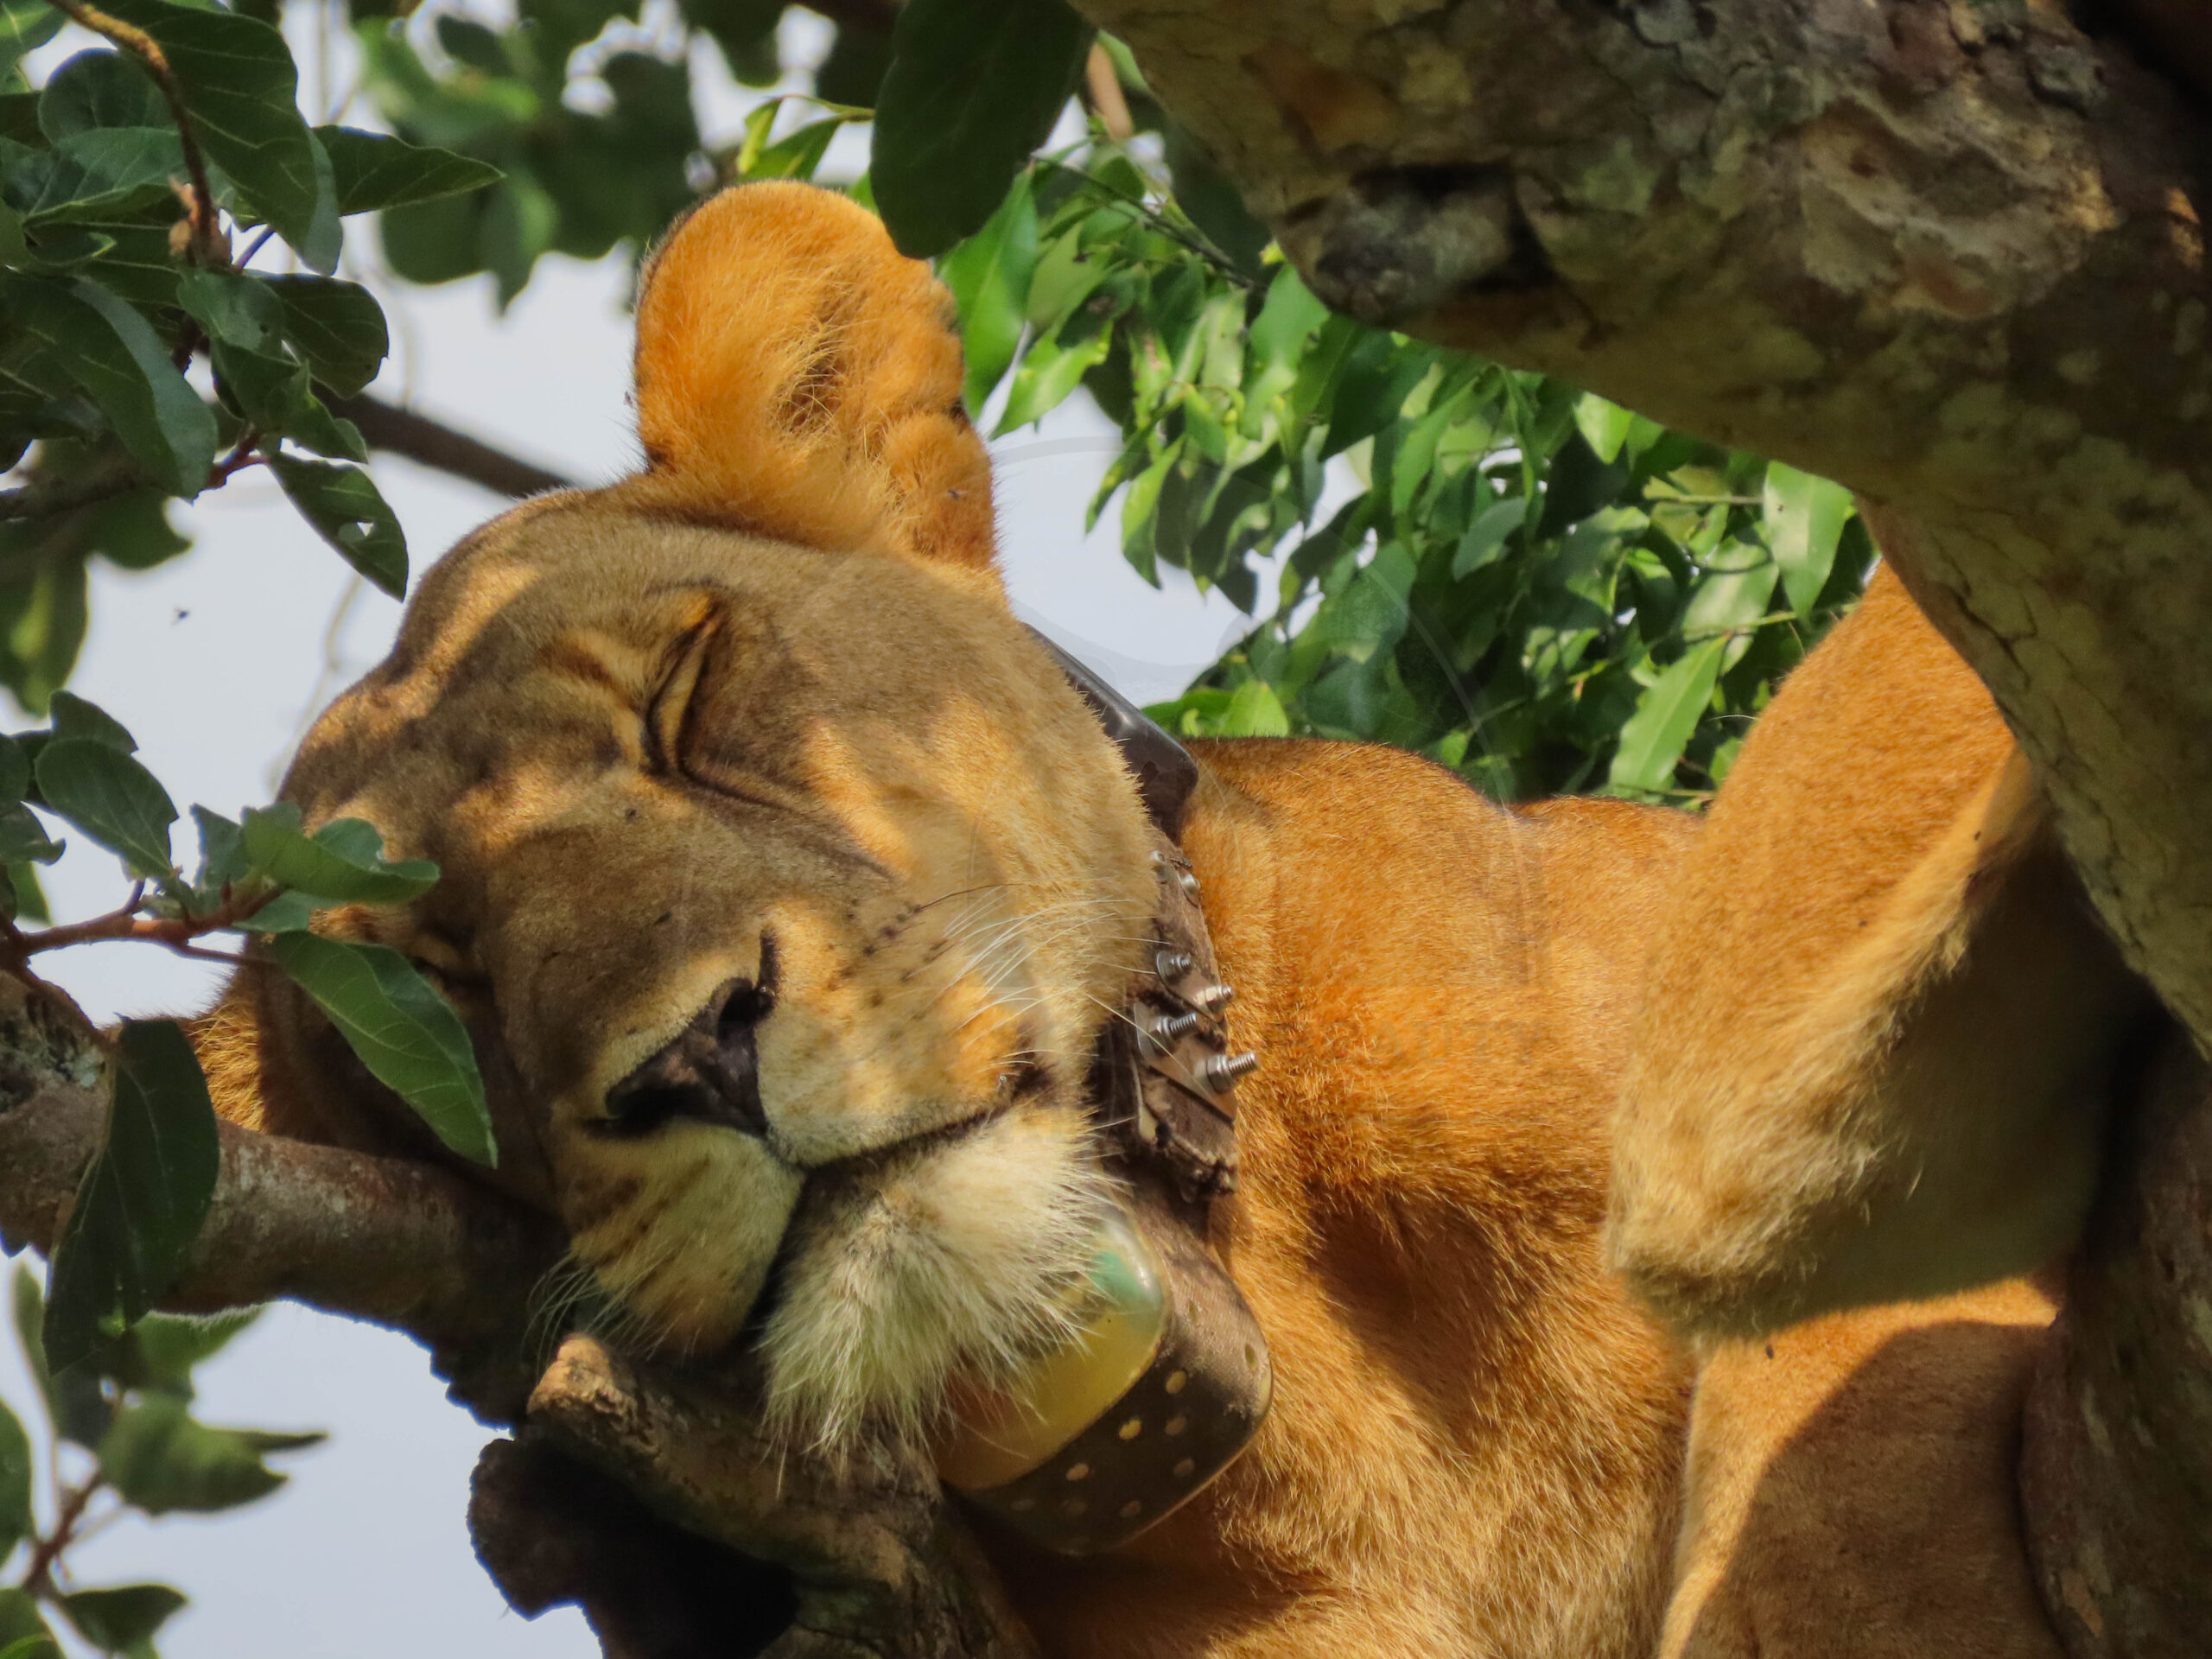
1212	999
1219	1072
1172	964
1169	1029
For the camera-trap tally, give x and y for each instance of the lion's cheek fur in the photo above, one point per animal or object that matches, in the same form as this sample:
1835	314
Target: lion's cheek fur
954	1257
680	1233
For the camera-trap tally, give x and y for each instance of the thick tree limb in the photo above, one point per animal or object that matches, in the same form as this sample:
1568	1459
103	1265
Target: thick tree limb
1949	253
401	1244
402	432
2117	1464
883	1567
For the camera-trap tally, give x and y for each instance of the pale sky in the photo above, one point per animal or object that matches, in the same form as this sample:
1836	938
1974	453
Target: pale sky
215	661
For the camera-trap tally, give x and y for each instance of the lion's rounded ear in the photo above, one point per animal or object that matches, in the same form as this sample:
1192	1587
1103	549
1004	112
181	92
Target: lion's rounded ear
799	378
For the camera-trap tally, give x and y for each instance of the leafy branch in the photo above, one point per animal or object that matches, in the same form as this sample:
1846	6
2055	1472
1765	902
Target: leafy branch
204	242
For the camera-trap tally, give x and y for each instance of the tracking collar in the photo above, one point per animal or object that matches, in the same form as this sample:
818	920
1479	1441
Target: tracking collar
1167	1377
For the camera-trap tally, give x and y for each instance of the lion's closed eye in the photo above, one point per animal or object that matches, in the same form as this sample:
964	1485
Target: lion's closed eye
669	712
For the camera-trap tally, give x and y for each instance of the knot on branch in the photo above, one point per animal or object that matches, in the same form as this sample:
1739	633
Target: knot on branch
863	1559
1397	243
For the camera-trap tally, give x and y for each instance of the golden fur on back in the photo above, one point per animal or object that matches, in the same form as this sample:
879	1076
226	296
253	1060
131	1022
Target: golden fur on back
759	717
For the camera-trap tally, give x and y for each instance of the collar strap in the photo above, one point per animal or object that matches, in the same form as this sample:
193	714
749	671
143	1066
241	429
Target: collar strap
1165	772
1168	1378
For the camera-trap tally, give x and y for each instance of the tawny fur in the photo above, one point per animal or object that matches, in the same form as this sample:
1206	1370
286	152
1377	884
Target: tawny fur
1880	1027
764	702
1852	1489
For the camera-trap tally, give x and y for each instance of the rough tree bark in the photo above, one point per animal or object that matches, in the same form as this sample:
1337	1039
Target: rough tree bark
1946	251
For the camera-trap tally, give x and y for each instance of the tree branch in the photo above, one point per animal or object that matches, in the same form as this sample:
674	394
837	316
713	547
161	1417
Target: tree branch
405	1245
882	1564
404	432
207	245
47	498
2114	1465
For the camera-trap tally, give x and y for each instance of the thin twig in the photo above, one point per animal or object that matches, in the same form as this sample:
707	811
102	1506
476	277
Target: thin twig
126	921
244	454
45	498
38	1572
208	243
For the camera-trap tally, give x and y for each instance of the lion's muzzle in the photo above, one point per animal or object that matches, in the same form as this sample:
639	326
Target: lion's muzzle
710	1071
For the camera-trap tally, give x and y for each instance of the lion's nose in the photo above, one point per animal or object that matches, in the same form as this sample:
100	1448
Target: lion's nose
709	1072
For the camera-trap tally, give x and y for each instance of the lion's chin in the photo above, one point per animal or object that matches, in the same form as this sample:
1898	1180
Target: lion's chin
956	1257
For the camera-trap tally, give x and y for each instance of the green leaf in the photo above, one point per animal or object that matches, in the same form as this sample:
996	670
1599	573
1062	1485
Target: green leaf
171	1345
143	1199
42	629
222	849
132	530
272	392
233	306
22	1630
162	1461
342	863
100	88
113	353
25	25
1485	537
243	93
374	170
1732	597
117	1620
1254	711
1604	426
112	799
73	716
21	899
75	1403
1049	373
407	1035
15	769
795	156
989	276
23	839
337	326
347	510
1653	739
108	174
1805	517
1280	334
1210	198
286	912
16	1517
974	86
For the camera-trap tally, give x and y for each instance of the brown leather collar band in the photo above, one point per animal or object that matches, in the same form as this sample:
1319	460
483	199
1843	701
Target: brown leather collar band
1165	1337
1165	772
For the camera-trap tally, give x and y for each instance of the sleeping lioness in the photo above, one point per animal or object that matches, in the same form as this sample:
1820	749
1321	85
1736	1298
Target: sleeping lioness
789	887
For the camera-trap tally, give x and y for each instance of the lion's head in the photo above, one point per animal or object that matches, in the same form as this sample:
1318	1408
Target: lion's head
786	883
